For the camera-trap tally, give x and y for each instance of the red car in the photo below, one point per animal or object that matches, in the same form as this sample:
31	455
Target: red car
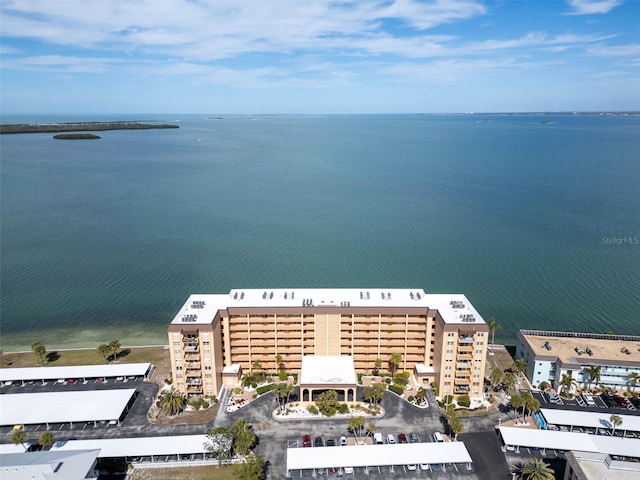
306	441
402	438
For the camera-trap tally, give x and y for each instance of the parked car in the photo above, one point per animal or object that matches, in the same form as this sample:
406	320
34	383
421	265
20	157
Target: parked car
412	467
402	438
348	470
318	442
343	441
377	438
331	442
306	441
437	437
391	438
414	438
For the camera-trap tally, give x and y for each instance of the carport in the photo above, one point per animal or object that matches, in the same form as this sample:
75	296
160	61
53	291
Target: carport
64	407
370	456
583	442
138	449
572	419
84	372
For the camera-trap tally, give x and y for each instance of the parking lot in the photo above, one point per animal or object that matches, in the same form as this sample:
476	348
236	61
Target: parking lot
589	403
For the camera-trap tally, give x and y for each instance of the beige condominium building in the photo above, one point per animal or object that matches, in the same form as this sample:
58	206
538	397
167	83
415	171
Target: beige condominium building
441	337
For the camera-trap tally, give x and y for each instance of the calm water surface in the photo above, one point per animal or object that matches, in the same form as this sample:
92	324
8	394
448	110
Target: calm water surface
538	224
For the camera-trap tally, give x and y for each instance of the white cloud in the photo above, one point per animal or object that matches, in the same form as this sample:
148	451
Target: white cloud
629	50
590	7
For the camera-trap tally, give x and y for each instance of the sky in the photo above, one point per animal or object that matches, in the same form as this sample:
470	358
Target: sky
318	56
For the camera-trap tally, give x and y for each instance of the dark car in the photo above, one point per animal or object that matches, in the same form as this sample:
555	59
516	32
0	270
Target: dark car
414	438
402	438
306	441
318	442
331	442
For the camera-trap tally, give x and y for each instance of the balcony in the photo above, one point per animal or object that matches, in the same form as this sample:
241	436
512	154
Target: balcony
463	373
194	389
190	339
462	381
192	357
194	381
465	357
193	365
191	348
465	340
194	373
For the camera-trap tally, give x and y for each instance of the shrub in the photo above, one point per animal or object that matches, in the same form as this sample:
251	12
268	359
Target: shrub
387	380
312	410
411	399
464	400
397	389
343	408
402	380
282	376
448	399
205	404
265	388
492	399
237	390
254	385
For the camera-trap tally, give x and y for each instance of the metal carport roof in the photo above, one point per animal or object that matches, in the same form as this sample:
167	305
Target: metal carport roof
377	455
63	407
80	371
583	442
138	446
589	419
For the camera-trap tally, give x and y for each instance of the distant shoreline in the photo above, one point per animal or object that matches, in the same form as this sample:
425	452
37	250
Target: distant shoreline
79	127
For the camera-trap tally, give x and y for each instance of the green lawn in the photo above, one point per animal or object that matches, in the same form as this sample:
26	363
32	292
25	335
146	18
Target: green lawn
58	358
186	473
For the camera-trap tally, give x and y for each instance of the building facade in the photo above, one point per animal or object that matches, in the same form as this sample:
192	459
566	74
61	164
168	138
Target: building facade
441	338
550	355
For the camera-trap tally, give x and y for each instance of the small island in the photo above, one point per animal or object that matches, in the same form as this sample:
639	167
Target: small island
79	126
76	136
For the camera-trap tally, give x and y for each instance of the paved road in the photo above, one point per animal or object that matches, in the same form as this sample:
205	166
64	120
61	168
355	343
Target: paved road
274	436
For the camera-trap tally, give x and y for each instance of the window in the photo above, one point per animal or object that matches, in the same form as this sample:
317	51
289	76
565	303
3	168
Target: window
479	351
180	375
480	343
176	344
476	375
205	343
178	367
207	360
449	351
447	375
450	342
450	334
207	367
208	375
207	351
481	334
448	367
177	352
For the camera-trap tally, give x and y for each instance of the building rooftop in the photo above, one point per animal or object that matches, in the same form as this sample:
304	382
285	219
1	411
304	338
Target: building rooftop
138	446
575	347
597	466
202	308
79	371
46	465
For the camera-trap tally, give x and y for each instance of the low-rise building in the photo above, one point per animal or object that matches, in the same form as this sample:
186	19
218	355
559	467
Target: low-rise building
441	337
550	355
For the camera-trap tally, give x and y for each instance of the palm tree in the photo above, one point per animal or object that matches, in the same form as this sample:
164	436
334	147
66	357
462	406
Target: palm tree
544	386
247	380
456	426
519	366
279	362
114	345
40	352
496	376
534	470
19	437
493	326
517	400
592	373
105	351
616	421
171	401
377	366
355	425
532	404
633	378
371	429
567	383
46	438
257	364
509	381
394	361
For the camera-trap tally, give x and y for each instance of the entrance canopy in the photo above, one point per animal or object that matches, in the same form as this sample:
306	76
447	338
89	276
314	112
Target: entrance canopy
327	373
377	455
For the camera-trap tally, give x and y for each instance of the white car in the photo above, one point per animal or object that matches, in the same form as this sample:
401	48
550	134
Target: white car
424	466
412	467
343	441
348	470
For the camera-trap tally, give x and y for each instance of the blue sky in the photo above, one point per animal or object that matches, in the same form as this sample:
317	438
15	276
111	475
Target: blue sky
318	56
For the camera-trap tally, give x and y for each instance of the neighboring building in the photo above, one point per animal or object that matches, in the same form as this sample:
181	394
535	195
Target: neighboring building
47	465
442	338
550	355
598	466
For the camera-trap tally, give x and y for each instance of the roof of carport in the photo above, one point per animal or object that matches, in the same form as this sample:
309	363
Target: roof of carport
527	437
79	371
377	455
63	407
589	419
139	446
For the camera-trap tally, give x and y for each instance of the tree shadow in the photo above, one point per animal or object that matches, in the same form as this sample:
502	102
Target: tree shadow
52	357
122	353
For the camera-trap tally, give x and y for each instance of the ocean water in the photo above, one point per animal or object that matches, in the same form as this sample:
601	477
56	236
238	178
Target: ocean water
538	224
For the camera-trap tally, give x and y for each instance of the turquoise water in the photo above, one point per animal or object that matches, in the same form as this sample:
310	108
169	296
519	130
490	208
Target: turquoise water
105	239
